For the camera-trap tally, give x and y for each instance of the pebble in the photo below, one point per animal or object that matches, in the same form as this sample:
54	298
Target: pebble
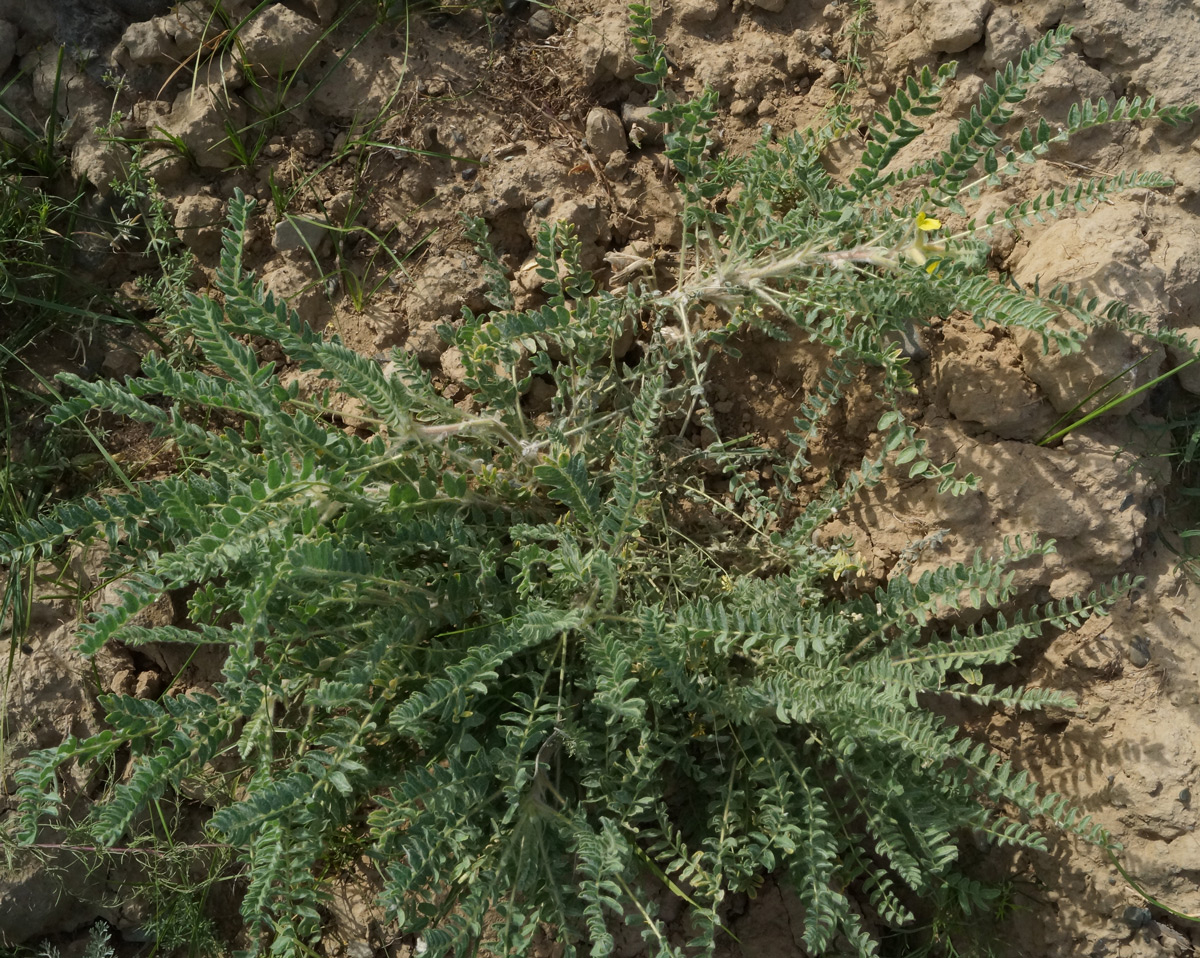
1137	917
541	23
1139	652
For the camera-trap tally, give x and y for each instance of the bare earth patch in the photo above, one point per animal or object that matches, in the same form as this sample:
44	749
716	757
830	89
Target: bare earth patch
365	142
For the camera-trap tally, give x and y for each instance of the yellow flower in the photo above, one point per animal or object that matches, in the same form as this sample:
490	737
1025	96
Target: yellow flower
921	251
927	223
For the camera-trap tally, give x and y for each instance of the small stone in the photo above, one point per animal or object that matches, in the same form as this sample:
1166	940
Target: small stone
1006	39
643	131
309	142
1138	652
278	40
951	26
299	285
121	362
297	232
149	685
771	6
697	11
190	24
543	206
1136	917
201	122
605	135
452	364
605	51
541	23
426	344
123	682
150	43
199	220
99	161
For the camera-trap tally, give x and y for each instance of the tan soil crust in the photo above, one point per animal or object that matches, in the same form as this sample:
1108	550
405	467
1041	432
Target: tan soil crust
535	117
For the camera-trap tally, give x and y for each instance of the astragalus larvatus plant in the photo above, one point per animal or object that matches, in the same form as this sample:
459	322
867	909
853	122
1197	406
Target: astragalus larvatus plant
489	652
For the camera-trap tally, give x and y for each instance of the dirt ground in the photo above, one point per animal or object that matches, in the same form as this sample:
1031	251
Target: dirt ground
382	135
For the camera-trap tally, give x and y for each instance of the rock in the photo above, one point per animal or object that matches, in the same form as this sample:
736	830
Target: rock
309	142
300	232
591	227
365	80
149	43
48	81
451	362
302	288
168	166
1105	255
199	120
199	220
119	362
125	353
1149	42
1066	494
604	133
643	131
278	40
437	296
1066	83
191	25
1006	39
8	45
541	23
697	11
604	51
772	6
951	26
99	161
425	343
1138	652
978	378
